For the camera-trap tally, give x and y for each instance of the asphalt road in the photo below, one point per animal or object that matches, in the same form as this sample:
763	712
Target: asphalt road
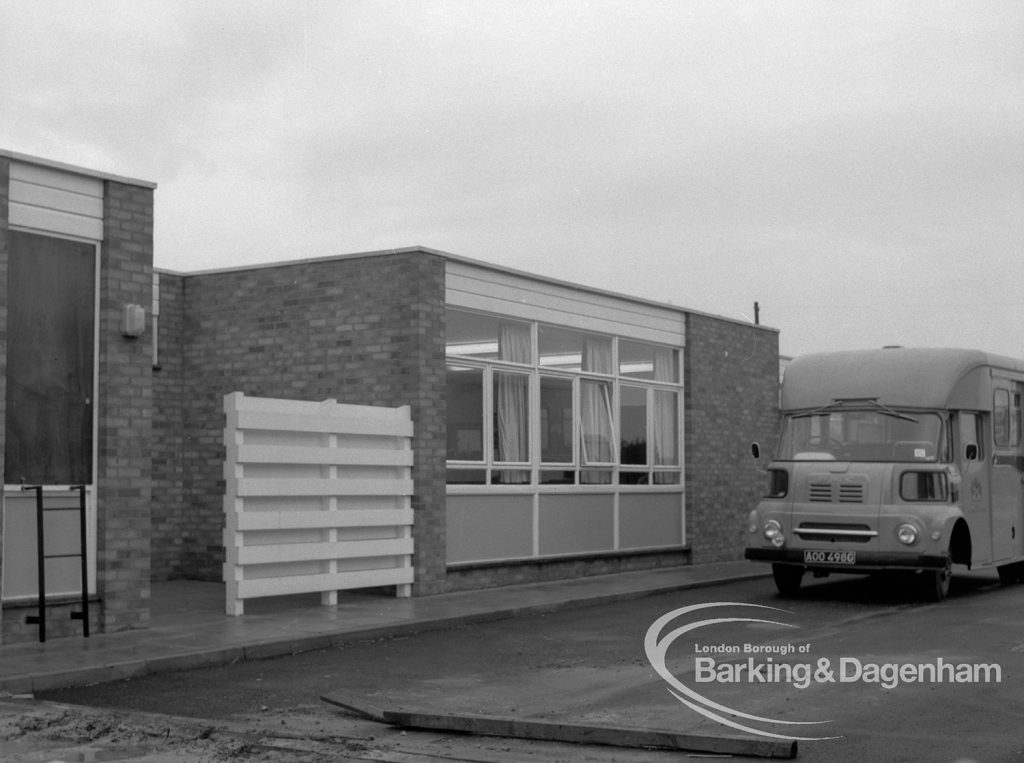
861	671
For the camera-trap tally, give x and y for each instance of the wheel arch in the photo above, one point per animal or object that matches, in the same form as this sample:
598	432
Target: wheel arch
960	549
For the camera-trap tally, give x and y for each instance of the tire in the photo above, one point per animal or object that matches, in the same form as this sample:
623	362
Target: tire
787	578
935	583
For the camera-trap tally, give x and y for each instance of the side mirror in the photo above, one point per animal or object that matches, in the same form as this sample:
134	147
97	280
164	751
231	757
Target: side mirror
755	450
971	451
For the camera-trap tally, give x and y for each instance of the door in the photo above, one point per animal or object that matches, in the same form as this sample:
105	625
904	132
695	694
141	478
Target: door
1007	471
50	360
49	433
975	492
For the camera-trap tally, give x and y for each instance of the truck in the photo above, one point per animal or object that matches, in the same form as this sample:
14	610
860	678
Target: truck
894	459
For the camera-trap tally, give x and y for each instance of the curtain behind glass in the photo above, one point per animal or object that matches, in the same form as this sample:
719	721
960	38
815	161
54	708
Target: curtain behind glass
512	399
596	403
666	412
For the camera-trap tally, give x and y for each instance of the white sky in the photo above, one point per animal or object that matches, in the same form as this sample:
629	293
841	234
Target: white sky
857	168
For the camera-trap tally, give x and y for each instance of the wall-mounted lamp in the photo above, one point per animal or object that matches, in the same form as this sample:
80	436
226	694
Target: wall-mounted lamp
133	321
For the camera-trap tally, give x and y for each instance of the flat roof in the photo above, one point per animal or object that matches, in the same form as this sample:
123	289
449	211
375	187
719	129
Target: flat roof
28	159
468	261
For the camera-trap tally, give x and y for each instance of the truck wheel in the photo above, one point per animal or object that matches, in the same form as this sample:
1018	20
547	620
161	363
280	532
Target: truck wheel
787	578
935	583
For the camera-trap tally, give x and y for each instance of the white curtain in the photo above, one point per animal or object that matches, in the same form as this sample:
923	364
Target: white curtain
512	398
596	403
597	355
666	412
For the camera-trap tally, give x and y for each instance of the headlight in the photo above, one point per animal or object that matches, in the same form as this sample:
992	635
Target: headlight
773	533
906	534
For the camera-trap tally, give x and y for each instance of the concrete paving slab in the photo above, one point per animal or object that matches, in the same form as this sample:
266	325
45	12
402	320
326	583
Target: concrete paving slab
188	626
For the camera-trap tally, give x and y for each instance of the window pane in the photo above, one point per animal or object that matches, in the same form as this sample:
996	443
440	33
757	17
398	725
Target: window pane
465	414
633	425
466	476
647	361
511	417
924	486
488	338
1001	417
970	433
665	432
666	478
596	421
1015	420
595	477
557	477
556	420
510	477
575	351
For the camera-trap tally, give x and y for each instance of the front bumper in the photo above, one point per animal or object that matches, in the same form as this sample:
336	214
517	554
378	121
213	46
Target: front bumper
866	560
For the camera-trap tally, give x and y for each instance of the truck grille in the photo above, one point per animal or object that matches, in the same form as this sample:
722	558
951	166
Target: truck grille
825	490
833	532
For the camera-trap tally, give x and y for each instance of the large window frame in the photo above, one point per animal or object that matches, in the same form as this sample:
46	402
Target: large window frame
593	389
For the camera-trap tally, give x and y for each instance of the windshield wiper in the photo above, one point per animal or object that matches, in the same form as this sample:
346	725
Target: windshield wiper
858	403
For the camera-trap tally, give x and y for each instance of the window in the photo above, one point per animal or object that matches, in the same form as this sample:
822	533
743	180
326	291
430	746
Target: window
645	361
1015	419
924	486
970	434
633	426
1005	418
556	420
511	417
568	350
531	403
486	338
465	414
864	435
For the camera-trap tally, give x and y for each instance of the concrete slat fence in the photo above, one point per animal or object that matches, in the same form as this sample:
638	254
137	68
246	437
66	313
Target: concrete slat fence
317	499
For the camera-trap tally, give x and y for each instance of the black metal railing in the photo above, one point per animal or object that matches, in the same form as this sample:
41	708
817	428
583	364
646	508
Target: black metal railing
41	558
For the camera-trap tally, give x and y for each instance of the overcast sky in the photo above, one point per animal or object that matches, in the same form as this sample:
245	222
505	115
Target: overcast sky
857	168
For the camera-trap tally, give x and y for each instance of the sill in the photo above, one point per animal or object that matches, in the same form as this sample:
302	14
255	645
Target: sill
453	489
562	558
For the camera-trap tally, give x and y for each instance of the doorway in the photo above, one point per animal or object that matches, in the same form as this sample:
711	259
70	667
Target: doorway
49	424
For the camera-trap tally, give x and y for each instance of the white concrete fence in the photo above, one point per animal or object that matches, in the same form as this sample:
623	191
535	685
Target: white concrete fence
318	498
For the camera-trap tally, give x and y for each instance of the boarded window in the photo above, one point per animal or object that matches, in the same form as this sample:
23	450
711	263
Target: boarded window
50	312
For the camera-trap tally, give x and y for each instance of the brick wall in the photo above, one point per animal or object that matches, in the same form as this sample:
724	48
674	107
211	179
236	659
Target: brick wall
168	434
362	330
369	330
124	408
493	575
731	391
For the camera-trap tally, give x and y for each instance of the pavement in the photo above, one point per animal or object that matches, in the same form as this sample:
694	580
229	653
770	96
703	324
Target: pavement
189	628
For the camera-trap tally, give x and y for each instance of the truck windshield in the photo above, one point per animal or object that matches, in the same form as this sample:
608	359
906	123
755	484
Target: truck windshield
863	435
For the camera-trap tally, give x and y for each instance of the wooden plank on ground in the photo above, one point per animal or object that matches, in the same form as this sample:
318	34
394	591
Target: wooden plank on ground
558	731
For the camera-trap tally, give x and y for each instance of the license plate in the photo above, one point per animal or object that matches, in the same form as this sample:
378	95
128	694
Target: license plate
830	557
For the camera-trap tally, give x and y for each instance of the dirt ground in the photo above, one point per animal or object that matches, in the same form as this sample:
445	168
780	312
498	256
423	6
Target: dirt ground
34	732
42	731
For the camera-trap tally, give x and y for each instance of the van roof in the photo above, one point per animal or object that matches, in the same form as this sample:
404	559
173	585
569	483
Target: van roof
904	377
